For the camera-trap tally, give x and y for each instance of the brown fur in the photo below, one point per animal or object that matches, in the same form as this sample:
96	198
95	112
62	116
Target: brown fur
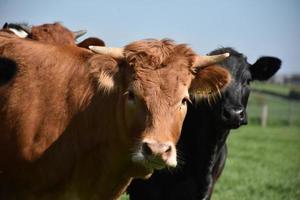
66	134
52	33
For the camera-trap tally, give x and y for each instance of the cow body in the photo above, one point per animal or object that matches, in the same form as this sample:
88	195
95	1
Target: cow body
46	146
79	125
205	130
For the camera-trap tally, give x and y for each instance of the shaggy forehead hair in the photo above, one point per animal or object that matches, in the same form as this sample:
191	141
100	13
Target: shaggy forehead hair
156	54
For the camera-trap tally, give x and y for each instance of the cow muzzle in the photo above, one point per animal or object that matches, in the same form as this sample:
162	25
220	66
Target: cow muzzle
234	117
155	155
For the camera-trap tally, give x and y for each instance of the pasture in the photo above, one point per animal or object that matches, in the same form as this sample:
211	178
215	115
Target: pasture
262	164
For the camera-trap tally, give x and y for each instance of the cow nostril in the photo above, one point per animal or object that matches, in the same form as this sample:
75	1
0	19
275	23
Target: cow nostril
155	149
146	149
226	114
168	149
241	114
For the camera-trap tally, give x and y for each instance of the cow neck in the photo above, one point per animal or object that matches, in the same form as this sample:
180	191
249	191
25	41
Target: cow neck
214	133
203	135
98	178
103	151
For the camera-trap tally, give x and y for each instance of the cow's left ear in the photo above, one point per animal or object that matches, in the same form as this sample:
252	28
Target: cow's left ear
264	68
210	81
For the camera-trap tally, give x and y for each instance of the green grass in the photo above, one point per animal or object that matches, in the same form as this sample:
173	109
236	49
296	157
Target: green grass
125	197
262	164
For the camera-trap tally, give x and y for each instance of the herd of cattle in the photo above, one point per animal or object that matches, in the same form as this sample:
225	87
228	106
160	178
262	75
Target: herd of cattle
81	120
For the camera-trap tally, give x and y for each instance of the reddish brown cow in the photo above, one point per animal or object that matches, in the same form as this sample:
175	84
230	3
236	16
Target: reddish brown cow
52	33
79	125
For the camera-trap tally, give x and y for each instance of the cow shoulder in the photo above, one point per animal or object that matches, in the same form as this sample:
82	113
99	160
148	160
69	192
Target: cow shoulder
264	68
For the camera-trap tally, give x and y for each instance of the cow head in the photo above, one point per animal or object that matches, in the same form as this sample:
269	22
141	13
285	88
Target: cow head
54	33
154	93
230	110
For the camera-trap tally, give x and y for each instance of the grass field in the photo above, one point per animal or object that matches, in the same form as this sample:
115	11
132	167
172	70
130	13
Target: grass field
262	164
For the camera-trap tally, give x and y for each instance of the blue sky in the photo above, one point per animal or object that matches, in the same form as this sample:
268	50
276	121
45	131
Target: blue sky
253	27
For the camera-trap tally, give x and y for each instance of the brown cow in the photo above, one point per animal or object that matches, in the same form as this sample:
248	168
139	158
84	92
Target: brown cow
51	33
79	125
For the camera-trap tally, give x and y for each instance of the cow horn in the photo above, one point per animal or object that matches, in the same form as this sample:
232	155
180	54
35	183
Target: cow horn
78	34
112	51
203	61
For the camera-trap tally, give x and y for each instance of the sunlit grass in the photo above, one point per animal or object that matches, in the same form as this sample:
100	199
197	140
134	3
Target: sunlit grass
262	164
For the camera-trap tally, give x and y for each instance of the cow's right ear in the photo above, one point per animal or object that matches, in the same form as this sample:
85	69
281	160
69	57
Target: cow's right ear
103	69
210	81
264	68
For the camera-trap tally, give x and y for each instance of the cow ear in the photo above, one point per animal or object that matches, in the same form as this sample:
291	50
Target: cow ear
264	68
103	69
91	41
210	81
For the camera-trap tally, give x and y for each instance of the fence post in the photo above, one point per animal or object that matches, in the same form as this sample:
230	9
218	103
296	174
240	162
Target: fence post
264	115
290	113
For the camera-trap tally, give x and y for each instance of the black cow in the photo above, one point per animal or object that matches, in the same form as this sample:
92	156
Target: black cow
204	134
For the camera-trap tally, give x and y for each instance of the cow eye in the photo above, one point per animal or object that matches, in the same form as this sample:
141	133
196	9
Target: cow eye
130	96
247	82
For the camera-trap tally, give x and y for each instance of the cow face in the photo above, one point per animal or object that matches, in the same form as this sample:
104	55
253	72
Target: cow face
230	110
155	90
